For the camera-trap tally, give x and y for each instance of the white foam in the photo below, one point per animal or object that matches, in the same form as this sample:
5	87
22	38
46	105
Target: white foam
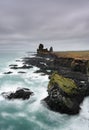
1	75
85	108
10	86
20	64
43	63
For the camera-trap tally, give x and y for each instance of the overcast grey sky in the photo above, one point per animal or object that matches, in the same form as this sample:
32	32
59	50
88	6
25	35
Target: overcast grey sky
26	20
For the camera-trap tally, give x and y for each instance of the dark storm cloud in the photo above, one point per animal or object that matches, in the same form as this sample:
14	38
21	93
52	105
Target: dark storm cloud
44	19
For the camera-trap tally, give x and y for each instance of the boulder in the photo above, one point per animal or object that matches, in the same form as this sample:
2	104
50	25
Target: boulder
64	95
9	72
20	93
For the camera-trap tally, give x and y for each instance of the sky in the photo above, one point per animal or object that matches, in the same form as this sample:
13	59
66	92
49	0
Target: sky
60	22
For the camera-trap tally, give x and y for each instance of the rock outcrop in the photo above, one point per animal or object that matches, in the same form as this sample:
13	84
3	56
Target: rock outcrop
41	50
21	93
65	95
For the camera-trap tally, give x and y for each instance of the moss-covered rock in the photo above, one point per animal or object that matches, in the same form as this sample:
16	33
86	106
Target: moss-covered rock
64	94
66	85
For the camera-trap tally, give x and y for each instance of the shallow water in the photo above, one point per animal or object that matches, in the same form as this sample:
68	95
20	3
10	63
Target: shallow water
32	114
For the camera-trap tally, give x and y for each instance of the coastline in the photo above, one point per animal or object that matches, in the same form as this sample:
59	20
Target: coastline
49	63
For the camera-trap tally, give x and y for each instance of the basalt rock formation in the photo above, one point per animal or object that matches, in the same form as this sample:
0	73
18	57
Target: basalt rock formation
41	50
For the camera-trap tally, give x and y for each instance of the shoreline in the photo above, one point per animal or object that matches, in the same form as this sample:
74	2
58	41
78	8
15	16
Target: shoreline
48	63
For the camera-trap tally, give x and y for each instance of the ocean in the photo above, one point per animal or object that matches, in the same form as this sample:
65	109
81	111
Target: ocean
32	114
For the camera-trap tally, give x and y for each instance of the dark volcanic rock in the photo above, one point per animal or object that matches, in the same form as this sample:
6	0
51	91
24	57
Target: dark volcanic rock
13	65
18	60
9	72
62	61
22	93
79	65
25	67
58	106
53	63
41	49
43	71
22	67
21	72
47	62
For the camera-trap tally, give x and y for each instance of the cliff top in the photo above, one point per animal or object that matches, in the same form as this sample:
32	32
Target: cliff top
74	54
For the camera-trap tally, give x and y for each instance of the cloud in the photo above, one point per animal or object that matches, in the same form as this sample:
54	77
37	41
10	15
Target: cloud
44	19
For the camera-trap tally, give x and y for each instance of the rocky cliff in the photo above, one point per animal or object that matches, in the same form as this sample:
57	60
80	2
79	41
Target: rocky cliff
76	61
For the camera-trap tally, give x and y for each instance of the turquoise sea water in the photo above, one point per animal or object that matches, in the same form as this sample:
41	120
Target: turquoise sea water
31	114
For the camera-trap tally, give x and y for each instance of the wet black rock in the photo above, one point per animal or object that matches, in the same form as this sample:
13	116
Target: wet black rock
21	93
22	67
13	65
22	72
18	60
9	72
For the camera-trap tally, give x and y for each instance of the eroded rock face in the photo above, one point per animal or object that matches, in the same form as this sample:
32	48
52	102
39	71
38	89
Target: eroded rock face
64	95
79	65
21	93
62	61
